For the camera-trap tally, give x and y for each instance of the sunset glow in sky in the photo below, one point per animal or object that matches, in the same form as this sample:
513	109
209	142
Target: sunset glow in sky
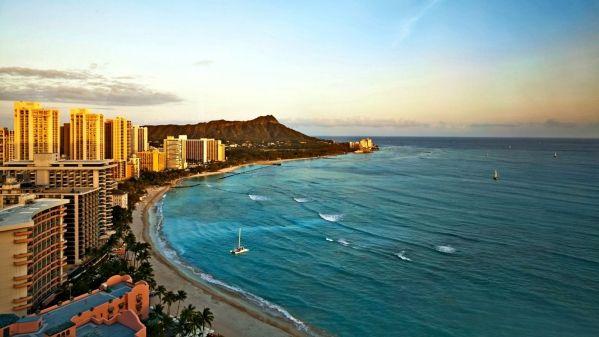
444	67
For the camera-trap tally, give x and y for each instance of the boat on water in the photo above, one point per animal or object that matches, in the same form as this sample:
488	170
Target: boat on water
495	175
555	155
239	249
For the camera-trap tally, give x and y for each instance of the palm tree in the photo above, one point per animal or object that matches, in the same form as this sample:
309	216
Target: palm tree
169	298
181	295
185	326
208	318
159	292
197	322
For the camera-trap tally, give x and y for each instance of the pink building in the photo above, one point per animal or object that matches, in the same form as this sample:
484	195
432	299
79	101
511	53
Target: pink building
116	309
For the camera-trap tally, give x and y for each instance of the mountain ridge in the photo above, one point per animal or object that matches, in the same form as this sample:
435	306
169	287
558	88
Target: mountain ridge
262	129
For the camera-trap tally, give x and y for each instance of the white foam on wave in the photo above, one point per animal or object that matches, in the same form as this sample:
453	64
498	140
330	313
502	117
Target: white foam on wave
343	242
445	249
328	239
402	256
301	199
331	217
257	197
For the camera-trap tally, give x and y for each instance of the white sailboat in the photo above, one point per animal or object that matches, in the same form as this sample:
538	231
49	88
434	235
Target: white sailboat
495	175
555	155
239	249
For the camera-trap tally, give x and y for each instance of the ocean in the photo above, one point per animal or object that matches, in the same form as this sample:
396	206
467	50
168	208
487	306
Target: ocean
416	239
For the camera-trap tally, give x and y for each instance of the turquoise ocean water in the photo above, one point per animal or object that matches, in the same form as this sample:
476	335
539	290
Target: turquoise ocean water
413	240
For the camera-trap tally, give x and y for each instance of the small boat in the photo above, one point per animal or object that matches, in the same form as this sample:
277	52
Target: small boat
239	249
554	154
495	175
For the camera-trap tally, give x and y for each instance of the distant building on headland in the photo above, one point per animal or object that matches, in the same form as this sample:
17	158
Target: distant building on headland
116	309
364	145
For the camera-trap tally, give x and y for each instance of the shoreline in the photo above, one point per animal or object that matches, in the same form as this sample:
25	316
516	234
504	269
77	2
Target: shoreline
240	318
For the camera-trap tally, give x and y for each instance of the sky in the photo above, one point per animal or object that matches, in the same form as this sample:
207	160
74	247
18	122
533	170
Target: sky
380	68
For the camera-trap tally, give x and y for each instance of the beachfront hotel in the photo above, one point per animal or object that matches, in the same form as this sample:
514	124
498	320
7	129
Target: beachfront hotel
204	150
116	309
31	250
36	130
175	152
46	170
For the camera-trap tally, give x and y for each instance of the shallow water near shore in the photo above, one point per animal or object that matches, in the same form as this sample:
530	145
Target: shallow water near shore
413	240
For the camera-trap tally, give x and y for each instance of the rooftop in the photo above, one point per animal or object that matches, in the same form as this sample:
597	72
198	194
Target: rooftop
23	214
94	330
63	314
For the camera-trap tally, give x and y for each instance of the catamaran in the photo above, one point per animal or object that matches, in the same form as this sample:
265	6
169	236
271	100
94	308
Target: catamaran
495	175
239	249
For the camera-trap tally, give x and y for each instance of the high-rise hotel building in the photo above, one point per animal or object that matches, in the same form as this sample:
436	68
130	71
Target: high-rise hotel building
153	160
204	150
47	171
139	139
116	138
7	148
174	150
31	253
86	135
36	130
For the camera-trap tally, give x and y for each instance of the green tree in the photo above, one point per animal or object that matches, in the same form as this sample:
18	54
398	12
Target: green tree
180	296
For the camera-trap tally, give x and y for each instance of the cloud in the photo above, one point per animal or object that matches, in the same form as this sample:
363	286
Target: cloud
553	123
549	123
493	125
405	29
77	86
203	63
355	122
47	73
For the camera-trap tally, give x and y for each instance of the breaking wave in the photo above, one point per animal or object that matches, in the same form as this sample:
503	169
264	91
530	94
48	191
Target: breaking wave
402	256
257	197
301	199
445	249
343	242
329	239
331	217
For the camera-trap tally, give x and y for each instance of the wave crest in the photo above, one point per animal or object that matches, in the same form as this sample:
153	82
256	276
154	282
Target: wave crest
331	217
301	199
445	249
257	197
402	256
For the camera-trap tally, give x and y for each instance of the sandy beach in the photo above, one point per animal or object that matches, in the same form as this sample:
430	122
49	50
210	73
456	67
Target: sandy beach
233	317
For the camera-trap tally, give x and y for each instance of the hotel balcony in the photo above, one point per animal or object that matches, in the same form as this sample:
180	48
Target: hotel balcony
22	284
20	300
21	278
21	307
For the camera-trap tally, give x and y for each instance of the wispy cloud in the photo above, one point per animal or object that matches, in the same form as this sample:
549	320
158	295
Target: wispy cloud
203	63
549	123
406	27
354	122
77	86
